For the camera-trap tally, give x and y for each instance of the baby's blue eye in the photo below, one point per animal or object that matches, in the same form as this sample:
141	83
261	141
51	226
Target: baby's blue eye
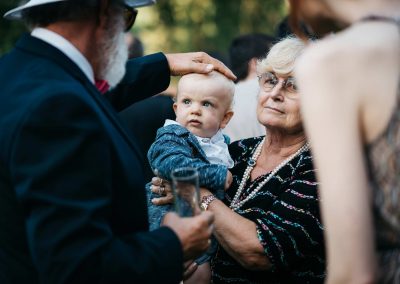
186	101
207	104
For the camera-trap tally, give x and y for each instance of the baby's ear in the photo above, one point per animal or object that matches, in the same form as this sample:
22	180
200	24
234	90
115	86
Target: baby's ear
227	117
175	106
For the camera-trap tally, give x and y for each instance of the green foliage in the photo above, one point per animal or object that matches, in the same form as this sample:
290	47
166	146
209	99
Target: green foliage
9	30
183	25
210	25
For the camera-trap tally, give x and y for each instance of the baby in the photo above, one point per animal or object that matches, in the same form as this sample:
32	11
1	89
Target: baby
203	107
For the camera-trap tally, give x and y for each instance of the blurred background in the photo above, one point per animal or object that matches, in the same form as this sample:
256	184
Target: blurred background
185	25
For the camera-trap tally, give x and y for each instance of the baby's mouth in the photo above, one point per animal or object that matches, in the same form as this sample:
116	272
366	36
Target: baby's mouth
194	121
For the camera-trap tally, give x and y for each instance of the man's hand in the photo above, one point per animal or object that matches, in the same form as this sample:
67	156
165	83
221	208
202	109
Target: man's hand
196	62
189	267
193	232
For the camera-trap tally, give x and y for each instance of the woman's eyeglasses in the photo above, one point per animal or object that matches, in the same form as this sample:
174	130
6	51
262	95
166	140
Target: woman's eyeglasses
268	81
129	17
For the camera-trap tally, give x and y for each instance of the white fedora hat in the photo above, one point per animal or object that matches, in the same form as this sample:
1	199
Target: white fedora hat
15	14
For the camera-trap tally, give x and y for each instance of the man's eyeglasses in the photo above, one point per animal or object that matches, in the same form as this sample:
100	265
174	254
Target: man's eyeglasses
129	17
268	81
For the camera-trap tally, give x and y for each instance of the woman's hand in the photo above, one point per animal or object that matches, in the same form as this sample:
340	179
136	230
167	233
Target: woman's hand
163	188
204	192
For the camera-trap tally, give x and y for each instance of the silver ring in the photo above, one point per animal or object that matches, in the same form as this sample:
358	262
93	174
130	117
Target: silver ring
161	190
161	181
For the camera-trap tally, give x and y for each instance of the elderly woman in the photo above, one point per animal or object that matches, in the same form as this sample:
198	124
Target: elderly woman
268	226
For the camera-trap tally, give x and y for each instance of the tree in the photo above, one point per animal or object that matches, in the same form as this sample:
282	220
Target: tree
184	25
210	25
9	30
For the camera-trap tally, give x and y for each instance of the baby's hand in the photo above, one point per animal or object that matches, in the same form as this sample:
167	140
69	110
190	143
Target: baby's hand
228	180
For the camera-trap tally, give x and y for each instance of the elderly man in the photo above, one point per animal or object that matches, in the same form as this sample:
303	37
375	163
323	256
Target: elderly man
72	199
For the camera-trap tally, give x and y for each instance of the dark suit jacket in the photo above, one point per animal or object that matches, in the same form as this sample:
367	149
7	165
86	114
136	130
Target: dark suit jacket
144	118
72	199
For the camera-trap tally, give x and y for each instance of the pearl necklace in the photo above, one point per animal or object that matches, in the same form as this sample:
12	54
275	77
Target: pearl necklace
236	204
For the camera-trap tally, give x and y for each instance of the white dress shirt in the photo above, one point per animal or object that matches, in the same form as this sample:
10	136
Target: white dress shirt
215	147
67	48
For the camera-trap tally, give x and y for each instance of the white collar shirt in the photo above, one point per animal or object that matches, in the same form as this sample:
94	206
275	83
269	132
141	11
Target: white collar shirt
67	48
215	147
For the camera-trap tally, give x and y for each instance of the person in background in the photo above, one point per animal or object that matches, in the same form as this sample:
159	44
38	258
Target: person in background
72	200
268	226
350	95
203	107
144	117
135	46
283	29
244	52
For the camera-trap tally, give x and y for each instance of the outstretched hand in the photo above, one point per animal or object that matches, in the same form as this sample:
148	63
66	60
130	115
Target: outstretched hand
196	62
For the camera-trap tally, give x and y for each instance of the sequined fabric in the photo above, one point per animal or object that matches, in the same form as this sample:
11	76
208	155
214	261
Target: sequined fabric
286	214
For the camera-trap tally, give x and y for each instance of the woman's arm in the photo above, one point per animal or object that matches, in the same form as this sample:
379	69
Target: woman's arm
238	236
331	111
282	235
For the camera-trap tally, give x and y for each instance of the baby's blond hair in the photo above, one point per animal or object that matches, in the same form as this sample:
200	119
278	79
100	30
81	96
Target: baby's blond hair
213	79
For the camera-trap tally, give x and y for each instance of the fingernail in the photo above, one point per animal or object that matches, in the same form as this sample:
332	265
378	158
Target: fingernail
209	67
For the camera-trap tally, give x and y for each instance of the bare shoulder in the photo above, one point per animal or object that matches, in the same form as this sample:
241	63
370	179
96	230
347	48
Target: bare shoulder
359	66
362	44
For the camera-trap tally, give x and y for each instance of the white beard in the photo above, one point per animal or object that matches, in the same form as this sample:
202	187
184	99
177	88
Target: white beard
114	50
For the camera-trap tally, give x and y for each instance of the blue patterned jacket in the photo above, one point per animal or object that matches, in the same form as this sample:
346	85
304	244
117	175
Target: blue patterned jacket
176	147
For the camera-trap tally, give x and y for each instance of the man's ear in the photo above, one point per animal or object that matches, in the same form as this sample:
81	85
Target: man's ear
227	117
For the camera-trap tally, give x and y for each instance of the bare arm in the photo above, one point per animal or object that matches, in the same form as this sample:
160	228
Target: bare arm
238	236
331	110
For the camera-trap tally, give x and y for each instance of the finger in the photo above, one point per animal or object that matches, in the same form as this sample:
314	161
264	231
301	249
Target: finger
204	68
208	216
210	63
187	263
155	189
162	200
220	67
190	270
156	181
211	229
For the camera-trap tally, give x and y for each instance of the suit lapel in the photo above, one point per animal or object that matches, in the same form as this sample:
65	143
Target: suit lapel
40	48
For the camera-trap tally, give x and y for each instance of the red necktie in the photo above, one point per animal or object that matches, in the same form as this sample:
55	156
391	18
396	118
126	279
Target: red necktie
102	86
